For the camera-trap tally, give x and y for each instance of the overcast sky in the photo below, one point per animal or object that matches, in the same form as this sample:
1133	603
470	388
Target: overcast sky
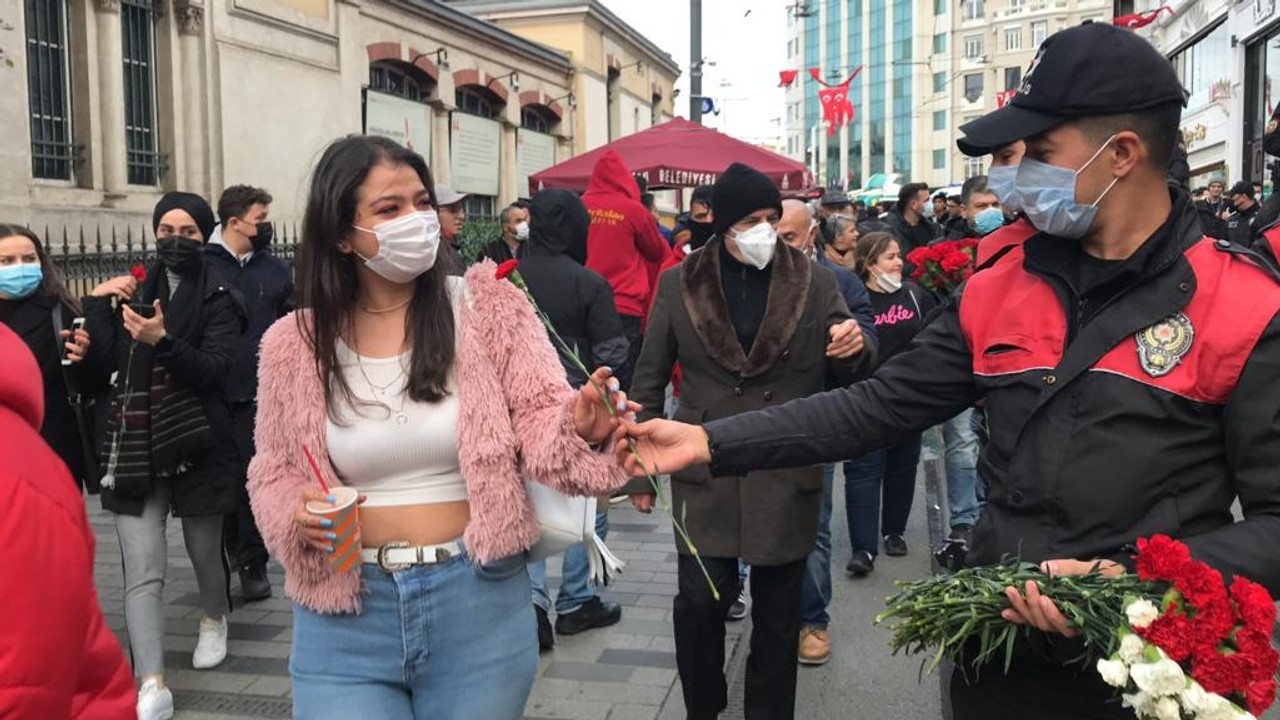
746	39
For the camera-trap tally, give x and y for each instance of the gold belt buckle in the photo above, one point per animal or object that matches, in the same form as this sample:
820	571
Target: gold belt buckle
382	558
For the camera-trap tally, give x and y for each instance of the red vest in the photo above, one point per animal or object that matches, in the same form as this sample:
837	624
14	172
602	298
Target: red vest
1004	239
1014	323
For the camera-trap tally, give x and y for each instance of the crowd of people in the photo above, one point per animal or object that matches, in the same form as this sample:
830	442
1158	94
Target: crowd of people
1085	400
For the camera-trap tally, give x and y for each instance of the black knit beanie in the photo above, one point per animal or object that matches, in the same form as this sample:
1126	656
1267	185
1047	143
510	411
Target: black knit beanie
194	205
738	192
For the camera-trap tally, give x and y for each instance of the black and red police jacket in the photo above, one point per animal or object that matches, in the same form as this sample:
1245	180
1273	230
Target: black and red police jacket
1146	404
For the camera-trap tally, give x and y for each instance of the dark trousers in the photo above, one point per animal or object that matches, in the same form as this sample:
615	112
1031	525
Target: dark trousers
1034	690
878	490
775	635
635	338
240	531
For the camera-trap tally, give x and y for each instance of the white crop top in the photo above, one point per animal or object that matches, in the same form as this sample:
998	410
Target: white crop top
407	455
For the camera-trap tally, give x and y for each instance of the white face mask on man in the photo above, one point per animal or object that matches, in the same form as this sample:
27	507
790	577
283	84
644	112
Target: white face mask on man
522	231
756	244
407	246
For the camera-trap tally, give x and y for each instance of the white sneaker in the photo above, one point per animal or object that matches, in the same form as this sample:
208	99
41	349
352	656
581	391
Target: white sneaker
154	702
211	649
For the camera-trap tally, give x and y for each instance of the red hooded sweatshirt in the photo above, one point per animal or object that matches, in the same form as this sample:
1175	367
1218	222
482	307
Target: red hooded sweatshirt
623	243
58	659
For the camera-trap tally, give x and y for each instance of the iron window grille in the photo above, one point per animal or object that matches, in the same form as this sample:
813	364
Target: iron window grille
144	162
53	155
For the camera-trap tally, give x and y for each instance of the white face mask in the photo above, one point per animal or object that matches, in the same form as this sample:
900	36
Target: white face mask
757	244
407	246
889	282
522	231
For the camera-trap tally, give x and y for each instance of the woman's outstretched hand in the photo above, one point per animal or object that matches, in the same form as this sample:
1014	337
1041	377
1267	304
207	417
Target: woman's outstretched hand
663	446
591	419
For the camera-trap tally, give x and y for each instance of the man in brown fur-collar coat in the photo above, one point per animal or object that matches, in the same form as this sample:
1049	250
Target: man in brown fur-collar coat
752	323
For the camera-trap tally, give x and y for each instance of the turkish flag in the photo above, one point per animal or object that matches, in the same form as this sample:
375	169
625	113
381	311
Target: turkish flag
837	110
1004	96
1141	20
786	77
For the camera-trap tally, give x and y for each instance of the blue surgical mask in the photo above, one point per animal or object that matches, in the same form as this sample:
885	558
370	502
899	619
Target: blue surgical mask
988	221
1000	180
1048	195
18	282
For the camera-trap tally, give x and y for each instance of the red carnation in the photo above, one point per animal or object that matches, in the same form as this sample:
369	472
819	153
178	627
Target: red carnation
1223	674
139	273
1260	695
1254	605
506	268
1162	558
1172	632
1258	646
955	260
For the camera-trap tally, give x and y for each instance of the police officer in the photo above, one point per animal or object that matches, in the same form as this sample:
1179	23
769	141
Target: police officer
1119	404
1244	210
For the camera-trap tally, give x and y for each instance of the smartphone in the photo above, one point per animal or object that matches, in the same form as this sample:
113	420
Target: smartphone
76	324
146	310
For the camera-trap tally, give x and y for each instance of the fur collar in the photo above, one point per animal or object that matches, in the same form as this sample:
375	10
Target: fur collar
709	311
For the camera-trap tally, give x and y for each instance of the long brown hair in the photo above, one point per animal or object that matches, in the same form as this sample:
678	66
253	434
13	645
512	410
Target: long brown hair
327	276
870	247
52	285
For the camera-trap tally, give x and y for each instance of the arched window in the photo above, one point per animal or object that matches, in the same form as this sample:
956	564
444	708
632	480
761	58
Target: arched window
476	100
400	79
536	118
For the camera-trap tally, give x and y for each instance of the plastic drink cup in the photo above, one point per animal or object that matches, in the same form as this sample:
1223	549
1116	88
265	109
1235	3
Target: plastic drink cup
345	516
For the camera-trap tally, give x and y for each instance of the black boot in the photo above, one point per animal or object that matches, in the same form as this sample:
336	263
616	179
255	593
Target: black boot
593	614
254	584
546	638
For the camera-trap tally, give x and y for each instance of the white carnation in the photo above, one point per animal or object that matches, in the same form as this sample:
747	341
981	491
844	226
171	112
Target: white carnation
1167	709
1216	707
1141	702
1131	648
1194	699
1142	613
1160	678
1114	673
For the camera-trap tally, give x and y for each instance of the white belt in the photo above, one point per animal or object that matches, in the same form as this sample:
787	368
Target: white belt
401	555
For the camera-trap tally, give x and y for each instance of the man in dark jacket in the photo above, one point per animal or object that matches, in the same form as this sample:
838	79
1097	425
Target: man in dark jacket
1239	223
514	221
799	229
752	323
693	228
908	223
579	304
240	252
1119	404
624	246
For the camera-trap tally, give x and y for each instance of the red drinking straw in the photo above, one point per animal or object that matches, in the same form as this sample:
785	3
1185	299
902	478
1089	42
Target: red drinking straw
316	469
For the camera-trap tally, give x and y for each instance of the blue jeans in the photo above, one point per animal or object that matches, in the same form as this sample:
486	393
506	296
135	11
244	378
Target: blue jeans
454	641
815	589
575	591
891	472
962	475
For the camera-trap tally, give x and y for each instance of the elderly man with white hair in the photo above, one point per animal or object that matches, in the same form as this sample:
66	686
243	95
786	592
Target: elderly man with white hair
799	229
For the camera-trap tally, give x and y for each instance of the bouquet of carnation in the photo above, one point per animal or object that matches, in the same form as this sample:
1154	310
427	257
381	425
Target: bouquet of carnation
941	267
1174	640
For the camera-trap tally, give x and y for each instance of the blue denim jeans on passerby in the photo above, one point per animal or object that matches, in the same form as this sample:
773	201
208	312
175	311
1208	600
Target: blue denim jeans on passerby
454	641
962	474
891	473
575	590
815	589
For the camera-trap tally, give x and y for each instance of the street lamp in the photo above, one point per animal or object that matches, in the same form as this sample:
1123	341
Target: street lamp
441	55
515	80
573	100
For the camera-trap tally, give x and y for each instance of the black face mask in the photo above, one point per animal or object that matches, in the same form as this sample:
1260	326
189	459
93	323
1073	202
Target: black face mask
699	234
179	254
262	240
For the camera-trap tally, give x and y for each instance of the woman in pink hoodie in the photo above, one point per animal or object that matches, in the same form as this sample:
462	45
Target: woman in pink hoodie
434	397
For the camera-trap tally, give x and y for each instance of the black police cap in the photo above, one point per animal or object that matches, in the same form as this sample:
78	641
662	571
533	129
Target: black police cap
1083	71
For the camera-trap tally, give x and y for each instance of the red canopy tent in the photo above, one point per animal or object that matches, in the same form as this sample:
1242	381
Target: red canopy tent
677	154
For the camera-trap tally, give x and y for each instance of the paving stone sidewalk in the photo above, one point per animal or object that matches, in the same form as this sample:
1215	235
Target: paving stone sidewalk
626	672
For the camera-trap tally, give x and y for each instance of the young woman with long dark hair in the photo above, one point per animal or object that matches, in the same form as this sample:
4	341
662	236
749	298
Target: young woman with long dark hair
36	305
435	398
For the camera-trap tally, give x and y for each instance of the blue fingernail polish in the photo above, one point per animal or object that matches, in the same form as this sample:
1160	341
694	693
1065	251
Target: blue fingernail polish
607	369
331	498
329	549
330	536
326	522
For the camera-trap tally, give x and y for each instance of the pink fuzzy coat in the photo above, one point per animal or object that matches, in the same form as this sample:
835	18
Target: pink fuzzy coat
515	421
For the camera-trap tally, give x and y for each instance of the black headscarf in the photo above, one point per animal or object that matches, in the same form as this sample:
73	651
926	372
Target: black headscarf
194	205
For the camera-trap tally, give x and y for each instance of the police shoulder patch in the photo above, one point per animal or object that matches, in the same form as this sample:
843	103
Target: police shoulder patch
1271	126
1163	345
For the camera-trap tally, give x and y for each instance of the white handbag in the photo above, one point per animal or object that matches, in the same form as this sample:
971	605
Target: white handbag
565	521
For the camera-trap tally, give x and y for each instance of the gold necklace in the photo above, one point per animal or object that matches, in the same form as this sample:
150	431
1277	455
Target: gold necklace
379	311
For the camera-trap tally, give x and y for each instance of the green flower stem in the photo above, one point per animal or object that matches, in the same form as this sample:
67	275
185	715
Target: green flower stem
663	501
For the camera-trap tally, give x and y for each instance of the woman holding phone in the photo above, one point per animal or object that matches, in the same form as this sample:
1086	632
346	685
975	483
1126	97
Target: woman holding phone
169	444
435	398
36	305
